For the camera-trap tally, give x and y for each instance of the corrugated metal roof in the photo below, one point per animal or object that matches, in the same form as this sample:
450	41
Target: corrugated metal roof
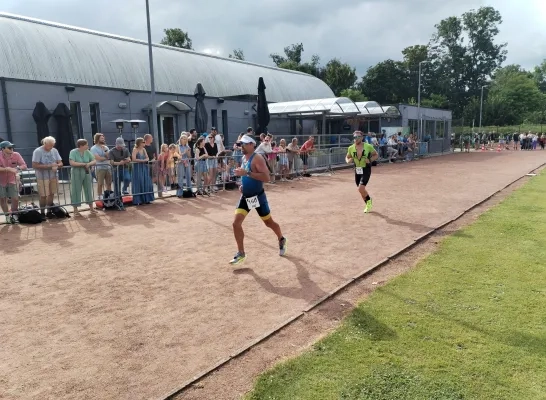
37	50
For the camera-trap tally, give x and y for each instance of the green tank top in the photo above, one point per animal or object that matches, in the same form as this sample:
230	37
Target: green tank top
366	151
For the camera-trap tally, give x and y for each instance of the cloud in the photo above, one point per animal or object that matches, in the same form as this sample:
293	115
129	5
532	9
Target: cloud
360	32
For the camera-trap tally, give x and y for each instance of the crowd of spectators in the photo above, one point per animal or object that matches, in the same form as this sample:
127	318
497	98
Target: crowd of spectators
200	164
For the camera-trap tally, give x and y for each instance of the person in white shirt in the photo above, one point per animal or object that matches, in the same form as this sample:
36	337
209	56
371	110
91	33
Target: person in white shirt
218	140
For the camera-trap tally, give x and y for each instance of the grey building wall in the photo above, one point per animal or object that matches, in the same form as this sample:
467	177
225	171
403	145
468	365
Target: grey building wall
439	142
22	98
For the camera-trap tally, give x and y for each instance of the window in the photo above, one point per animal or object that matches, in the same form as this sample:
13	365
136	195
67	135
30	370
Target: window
429	128
214	118
76	120
94	112
440	129
413	126
225	124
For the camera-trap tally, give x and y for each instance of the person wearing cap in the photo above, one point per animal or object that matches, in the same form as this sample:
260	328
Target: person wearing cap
46	160
11	163
362	154
253	173
120	158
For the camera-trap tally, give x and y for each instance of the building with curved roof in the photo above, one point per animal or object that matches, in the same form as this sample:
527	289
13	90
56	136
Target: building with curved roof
104	77
35	50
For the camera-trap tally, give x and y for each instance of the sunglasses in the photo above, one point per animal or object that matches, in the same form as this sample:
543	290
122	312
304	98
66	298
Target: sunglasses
9	148
357	137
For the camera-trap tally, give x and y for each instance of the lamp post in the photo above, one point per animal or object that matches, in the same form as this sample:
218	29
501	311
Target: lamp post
481	108
153	124
419	124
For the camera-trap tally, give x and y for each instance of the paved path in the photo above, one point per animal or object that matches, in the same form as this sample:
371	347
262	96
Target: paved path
130	305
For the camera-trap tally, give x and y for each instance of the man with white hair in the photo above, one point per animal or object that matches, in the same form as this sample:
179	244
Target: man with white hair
253	173
45	161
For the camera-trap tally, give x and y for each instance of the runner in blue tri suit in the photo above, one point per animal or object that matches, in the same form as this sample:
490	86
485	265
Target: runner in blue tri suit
253	173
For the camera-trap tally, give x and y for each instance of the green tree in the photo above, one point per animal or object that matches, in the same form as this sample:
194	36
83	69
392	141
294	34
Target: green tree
513	96
354	94
238	54
539	75
292	60
385	82
464	55
176	37
292	54
339	76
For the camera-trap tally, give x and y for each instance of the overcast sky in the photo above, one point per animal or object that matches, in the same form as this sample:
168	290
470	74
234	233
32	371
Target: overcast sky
360	32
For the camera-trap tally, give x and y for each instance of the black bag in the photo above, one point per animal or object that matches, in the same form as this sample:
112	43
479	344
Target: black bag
30	215
59	212
187	194
110	202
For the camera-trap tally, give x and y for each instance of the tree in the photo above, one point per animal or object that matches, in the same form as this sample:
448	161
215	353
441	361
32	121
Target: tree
339	76
292	61
464	55
292	54
354	94
238	54
513	96
176	37
539	75
384	82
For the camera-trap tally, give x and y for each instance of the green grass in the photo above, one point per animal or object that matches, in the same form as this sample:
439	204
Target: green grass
468	323
501	129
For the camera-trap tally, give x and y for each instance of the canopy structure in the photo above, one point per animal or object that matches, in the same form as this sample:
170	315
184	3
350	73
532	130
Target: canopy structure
339	107
373	109
170	107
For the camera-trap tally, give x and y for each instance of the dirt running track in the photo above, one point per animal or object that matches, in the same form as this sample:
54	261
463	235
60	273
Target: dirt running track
131	305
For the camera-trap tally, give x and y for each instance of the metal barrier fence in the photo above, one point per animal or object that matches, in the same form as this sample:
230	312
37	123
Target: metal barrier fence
143	182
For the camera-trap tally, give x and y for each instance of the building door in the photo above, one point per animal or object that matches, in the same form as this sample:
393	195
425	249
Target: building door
167	129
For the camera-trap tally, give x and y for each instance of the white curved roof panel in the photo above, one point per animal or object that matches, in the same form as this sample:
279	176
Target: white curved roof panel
35	50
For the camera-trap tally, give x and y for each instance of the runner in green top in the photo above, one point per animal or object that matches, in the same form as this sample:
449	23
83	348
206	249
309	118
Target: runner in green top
362	155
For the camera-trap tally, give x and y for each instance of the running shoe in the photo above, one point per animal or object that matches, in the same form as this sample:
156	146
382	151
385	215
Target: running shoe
282	246
238	259
368	207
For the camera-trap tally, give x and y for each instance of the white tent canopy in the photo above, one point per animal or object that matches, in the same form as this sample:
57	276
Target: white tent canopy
338	106
373	109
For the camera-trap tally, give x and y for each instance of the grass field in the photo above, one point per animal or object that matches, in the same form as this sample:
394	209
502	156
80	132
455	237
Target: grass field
468	322
501	129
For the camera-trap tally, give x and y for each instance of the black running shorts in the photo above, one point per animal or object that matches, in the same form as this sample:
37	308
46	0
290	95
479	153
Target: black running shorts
364	178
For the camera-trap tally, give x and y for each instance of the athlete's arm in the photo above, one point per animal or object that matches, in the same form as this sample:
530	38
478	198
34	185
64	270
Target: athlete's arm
373	156
259	170
349	158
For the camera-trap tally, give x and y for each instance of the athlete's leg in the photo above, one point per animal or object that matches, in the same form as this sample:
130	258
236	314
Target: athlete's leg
271	224
363	192
238	231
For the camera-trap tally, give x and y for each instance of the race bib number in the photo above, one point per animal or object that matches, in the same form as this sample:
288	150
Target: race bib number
359	170
252	202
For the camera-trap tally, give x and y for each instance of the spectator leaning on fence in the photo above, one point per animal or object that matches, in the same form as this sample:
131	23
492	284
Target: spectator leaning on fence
142	186
307	148
11	163
81	161
45	161
212	161
184	165
102	167
293	151
120	158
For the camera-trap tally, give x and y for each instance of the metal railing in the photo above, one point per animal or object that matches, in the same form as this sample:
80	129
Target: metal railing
141	183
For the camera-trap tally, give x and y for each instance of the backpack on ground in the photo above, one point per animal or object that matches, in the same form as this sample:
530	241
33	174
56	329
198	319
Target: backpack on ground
111	202
188	194
59	212
30	215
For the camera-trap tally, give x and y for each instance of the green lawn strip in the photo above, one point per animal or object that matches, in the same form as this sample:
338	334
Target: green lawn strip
468	323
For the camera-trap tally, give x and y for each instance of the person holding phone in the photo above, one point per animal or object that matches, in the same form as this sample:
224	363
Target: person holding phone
362	154
46	160
11	163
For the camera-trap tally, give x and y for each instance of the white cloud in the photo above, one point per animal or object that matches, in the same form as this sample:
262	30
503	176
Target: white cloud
360	32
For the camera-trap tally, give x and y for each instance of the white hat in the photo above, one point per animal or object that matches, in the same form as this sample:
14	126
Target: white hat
247	139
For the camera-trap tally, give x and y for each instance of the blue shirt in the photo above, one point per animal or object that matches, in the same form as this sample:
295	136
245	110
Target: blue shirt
251	186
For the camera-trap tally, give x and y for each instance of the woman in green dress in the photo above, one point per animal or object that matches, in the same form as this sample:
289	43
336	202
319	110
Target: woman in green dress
81	160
